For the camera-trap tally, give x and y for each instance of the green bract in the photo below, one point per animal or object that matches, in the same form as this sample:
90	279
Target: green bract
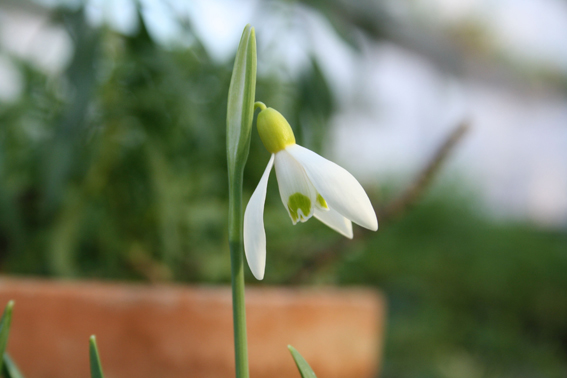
240	109
238	129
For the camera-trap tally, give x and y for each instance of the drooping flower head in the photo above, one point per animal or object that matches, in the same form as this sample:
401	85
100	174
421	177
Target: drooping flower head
309	185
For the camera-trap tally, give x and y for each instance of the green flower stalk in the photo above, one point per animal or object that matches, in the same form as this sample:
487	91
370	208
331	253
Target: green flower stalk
238	129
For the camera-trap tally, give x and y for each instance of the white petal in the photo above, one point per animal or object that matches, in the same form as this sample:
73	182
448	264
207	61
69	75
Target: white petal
338	187
254	233
336	221
297	193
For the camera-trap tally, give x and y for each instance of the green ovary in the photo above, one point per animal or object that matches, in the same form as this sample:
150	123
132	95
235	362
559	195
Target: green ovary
275	132
296	202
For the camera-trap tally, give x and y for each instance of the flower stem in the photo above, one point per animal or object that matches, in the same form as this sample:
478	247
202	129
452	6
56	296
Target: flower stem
240	111
237	270
259	105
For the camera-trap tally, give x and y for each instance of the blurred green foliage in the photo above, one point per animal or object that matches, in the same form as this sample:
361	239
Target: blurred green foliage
116	169
468	297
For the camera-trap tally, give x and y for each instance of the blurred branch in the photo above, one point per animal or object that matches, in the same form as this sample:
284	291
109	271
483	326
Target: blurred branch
416	189
393	210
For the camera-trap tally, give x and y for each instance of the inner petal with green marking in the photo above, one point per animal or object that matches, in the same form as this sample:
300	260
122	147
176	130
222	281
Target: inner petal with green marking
321	203
299	206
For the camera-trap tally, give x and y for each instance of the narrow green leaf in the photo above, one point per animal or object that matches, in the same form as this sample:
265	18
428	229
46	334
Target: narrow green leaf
5	329
240	108
10	368
304	368
96	367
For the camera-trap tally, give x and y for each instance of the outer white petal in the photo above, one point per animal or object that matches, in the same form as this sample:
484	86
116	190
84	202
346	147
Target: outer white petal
292	180
338	187
254	233
336	221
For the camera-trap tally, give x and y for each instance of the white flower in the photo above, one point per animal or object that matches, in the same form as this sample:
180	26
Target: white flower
309	185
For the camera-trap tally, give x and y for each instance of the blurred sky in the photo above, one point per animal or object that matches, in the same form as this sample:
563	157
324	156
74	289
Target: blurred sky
395	104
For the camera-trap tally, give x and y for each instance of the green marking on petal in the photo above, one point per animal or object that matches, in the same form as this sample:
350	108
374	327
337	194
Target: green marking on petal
298	201
321	201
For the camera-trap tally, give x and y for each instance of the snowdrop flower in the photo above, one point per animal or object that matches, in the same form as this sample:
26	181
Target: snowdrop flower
309	185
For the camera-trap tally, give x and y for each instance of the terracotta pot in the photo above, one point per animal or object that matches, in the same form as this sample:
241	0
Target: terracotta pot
177	331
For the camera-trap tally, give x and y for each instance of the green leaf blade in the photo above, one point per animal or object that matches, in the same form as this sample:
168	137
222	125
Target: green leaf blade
96	367
302	365
5	330
240	107
10	368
